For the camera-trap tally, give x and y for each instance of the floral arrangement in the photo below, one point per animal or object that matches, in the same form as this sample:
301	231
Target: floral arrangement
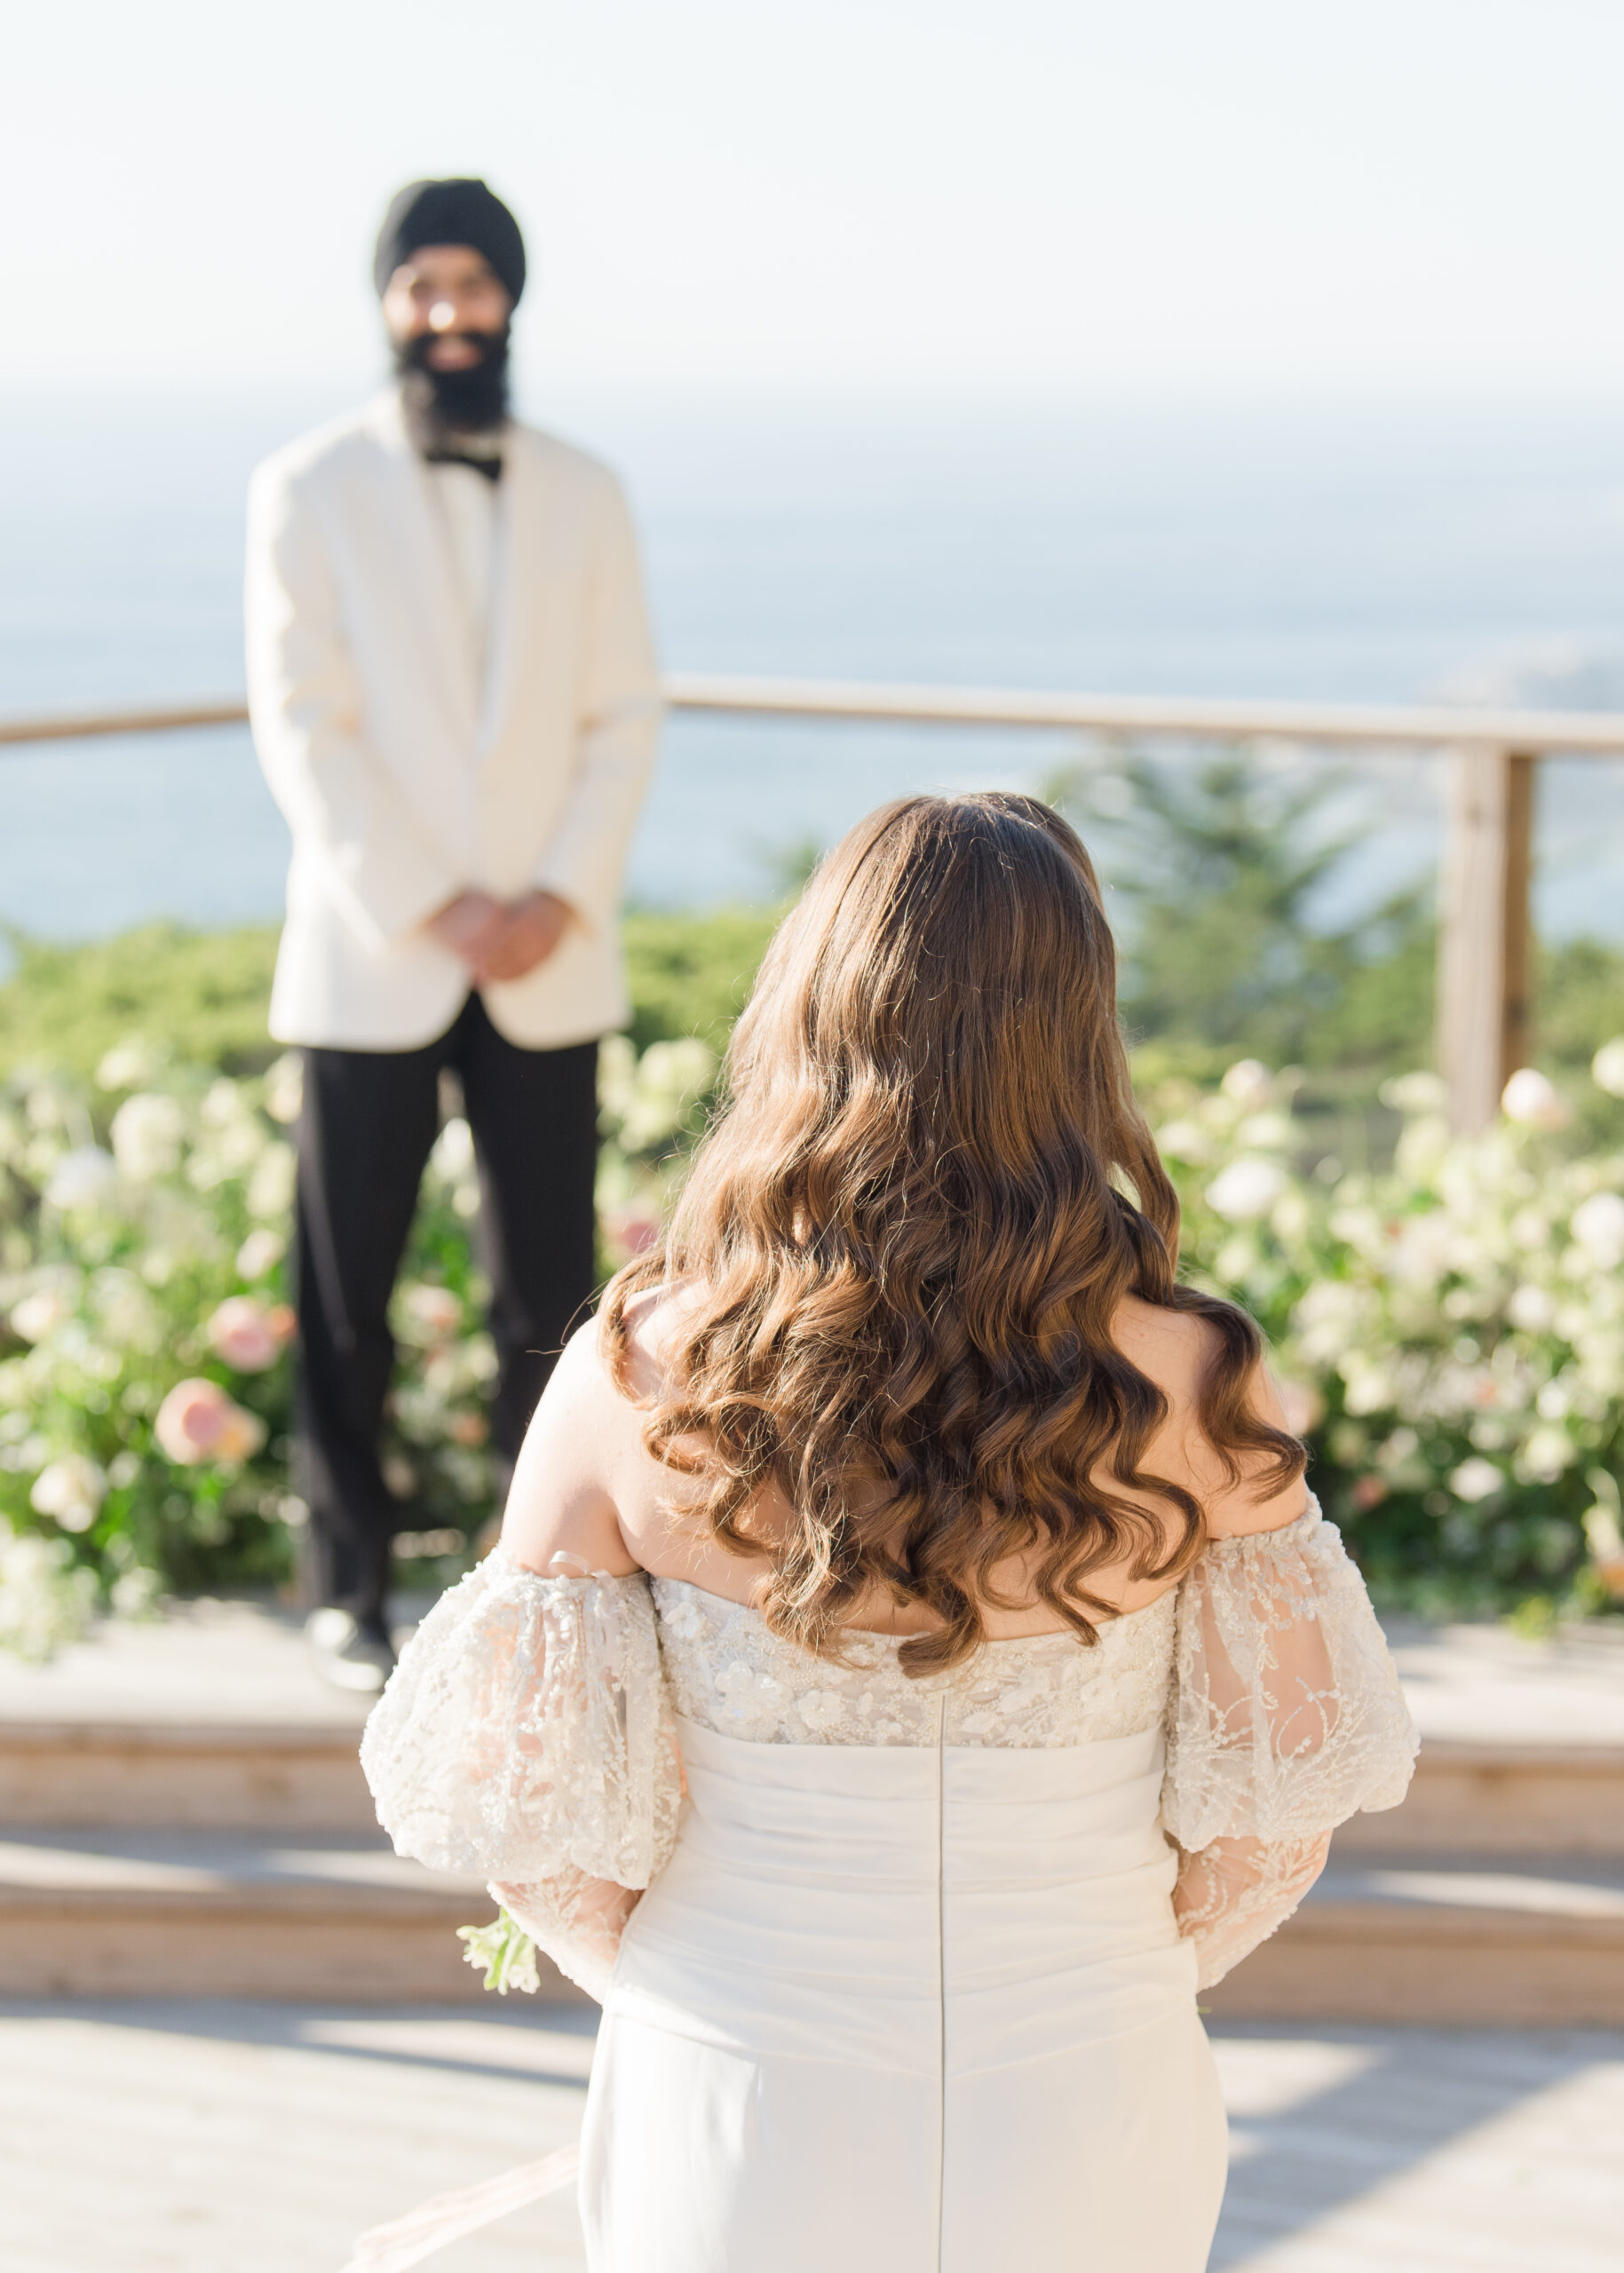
1450	1330
144	1328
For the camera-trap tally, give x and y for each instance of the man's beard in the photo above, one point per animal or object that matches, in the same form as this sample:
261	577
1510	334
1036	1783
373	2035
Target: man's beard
443	403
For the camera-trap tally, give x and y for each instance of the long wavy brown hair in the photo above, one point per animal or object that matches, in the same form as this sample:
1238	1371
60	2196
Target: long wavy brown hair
905	1239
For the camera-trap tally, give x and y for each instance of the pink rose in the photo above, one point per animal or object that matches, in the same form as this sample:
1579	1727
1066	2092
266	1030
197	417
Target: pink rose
245	1335
197	1422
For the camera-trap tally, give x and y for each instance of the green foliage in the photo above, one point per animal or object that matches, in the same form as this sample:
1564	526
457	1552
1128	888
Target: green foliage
1217	866
690	973
203	994
1214	867
505	1953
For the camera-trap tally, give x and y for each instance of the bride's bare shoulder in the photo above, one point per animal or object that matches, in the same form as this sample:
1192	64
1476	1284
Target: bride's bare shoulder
1174	1348
648	1340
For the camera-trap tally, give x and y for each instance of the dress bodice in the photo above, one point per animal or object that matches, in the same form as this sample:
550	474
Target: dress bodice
731	1672
533	1728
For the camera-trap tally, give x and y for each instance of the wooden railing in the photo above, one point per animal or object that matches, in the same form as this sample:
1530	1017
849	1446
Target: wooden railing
1483	991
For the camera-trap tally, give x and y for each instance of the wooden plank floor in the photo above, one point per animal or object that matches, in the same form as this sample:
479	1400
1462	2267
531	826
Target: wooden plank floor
235	2138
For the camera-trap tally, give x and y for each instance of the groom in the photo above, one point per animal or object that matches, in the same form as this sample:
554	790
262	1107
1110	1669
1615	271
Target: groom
454	697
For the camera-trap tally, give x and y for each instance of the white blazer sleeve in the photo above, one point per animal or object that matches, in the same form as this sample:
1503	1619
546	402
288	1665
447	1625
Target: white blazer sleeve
306	707
585	857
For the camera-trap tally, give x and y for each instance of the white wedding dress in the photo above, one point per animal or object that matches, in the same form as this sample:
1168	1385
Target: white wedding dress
908	1991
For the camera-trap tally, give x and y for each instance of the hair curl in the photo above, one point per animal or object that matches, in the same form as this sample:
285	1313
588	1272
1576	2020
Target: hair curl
905	1239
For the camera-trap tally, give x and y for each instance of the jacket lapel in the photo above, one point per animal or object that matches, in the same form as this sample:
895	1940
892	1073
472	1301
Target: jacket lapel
520	506
416	540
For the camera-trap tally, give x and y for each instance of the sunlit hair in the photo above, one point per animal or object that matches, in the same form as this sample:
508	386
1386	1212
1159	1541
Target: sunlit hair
904	1241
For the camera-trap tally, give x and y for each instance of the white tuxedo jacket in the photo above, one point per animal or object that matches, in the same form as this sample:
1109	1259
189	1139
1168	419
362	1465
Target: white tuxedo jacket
403	779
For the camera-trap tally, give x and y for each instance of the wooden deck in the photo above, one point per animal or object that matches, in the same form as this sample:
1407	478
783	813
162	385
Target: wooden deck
211	2137
184	1829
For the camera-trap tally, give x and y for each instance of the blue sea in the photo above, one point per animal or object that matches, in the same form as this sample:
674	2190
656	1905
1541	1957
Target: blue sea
1361	552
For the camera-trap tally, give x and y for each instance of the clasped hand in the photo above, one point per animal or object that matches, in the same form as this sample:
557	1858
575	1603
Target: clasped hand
501	940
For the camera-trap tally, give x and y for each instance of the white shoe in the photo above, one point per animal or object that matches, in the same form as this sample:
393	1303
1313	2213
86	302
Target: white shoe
348	1654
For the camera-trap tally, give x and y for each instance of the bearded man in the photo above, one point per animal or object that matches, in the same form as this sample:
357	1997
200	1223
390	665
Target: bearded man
454	697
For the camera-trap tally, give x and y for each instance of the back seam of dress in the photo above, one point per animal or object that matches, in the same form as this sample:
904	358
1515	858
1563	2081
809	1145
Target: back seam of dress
941	1971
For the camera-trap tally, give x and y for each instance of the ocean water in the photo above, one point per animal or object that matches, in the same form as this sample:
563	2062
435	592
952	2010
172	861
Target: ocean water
1355	551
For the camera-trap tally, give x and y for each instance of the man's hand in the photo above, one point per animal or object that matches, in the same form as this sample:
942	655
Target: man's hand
531	928
470	925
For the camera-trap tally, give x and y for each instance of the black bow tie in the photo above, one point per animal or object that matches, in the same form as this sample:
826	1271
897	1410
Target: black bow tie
490	467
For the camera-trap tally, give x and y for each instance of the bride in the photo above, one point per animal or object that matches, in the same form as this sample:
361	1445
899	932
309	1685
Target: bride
913	1666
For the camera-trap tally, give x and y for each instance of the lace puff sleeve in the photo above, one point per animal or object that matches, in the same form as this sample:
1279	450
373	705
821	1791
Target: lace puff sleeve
1287	1718
526	1735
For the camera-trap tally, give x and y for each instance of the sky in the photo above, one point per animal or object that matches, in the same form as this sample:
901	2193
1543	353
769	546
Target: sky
1044	197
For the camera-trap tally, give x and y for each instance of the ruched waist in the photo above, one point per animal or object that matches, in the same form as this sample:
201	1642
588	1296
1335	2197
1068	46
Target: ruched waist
929	1909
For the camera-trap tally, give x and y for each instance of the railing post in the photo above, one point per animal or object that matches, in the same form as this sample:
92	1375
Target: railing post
1483	995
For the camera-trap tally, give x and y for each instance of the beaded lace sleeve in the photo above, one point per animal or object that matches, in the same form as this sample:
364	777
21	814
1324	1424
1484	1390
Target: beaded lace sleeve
1286	1718
526	1735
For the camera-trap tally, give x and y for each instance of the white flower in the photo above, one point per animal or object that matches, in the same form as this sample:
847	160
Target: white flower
284	1088
1371	1387
44	1601
270	1188
1268	1132
1474	1479
822	1710
1598	1226
1421	1253
1532	1310
38	1315
259	1254
435	1312
135	1592
617	1075
1329	1318
1249	1084
1529	1228
453	1154
1247	1188
670	1076
1423	1148
1291	1218
70	1490
129	1065
1414	1094
1607	1067
1185	1140
148	1131
81	1179
127	1312
1529	1099
1547	1455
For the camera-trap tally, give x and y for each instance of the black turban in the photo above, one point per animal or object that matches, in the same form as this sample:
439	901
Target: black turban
450	213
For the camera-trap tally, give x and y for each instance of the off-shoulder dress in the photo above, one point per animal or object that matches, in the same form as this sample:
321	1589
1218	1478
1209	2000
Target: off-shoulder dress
911	1983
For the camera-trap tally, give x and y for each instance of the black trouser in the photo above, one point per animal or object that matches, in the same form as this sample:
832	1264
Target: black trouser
368	1123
